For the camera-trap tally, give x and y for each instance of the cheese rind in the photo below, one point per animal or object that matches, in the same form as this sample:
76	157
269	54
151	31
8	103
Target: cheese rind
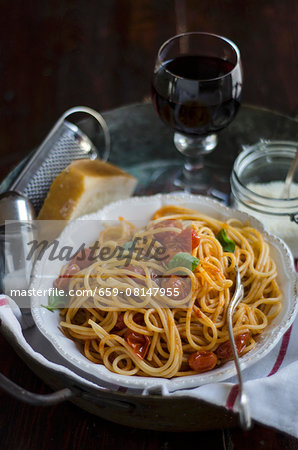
84	187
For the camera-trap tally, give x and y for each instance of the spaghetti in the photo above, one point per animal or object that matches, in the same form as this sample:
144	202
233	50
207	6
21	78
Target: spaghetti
134	335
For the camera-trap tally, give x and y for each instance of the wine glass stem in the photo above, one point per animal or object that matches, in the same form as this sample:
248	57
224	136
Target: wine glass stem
195	175
193	167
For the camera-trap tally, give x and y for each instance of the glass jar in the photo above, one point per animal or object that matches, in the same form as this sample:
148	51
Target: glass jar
257	183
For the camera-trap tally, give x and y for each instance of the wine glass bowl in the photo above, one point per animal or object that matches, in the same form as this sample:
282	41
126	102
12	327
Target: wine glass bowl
196	90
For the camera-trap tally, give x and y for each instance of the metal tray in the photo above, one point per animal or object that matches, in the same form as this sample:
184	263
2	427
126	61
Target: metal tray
141	144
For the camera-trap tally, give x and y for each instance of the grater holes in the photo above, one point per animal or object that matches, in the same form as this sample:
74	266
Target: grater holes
64	151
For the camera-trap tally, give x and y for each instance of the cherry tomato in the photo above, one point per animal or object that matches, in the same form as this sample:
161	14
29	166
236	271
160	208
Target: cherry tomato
82	258
202	361
63	280
139	318
175	284
156	277
188	239
195	238
224	351
165	236
138	342
138	271
120	322
184	240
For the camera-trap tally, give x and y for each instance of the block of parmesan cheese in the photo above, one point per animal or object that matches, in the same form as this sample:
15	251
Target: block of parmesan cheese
84	187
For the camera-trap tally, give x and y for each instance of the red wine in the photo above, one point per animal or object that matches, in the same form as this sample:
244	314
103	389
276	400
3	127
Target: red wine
196	95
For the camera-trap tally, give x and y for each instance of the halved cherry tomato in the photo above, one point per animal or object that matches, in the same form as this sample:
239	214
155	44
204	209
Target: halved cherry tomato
82	258
166	236
184	240
174	284
63	280
202	361
224	351
120	322
195	238
188	239
181	243
156	277
138	271
138	342
139	318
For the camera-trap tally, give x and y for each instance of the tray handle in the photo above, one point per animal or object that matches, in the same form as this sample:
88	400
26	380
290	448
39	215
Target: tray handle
57	397
31	398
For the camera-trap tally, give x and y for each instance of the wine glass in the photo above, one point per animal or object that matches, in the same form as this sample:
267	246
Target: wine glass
196	90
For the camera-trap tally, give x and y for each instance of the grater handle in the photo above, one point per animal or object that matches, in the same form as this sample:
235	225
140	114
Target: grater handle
54	130
99	119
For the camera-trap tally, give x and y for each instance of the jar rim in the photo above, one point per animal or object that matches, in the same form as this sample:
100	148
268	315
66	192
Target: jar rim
270	146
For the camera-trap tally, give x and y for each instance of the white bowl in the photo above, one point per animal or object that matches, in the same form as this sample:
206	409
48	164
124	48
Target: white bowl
142	208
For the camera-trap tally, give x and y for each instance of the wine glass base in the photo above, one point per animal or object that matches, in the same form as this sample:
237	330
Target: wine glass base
162	176
208	183
195	184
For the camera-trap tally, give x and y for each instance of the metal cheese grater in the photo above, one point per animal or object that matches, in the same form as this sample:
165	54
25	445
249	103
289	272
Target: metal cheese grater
65	143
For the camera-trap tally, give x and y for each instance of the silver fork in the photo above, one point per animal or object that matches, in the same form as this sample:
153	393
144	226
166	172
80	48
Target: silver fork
243	404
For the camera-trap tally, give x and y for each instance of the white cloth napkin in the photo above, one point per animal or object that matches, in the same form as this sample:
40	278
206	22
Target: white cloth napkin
271	385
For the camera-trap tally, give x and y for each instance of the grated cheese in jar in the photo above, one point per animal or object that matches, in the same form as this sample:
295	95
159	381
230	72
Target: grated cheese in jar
282	226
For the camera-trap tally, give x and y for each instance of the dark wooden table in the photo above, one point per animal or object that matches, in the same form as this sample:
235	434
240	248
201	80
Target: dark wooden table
54	55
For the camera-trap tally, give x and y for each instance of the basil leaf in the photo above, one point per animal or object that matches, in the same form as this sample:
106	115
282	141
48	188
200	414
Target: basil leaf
183	259
127	245
55	302
227	244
